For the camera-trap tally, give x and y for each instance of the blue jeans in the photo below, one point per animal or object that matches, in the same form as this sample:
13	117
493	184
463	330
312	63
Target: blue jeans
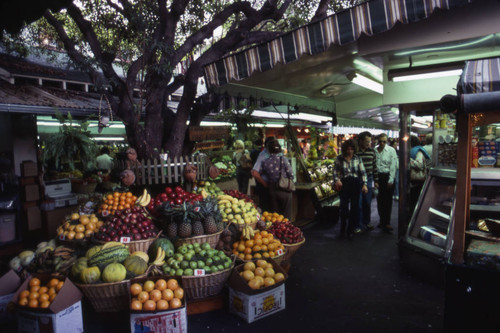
365	203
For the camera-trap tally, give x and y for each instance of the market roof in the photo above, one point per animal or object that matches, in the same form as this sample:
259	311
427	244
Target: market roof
311	66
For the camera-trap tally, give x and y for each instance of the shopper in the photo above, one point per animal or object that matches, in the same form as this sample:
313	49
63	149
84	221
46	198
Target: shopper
272	168
261	180
258	147
395	196
369	158
132	163
104	162
418	170
387	160
428	148
350	181
243	162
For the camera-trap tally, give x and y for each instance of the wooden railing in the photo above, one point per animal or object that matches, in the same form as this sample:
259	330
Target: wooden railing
170	171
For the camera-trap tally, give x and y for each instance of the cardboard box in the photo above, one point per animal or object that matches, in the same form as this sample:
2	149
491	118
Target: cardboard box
9	283
254	304
31	192
63	315
34	218
29	169
255	307
169	321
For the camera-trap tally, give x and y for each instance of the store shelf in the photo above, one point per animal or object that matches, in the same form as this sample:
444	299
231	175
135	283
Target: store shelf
485	208
439	213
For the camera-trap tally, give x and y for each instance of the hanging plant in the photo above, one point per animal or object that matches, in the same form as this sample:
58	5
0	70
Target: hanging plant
72	144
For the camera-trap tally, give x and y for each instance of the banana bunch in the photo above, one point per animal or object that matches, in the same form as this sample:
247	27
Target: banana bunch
155	271
111	244
144	199
59	260
160	257
247	232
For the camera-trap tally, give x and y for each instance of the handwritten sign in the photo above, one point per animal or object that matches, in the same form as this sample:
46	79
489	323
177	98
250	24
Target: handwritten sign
199	272
125	240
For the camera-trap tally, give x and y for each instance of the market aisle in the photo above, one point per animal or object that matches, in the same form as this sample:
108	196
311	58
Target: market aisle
344	286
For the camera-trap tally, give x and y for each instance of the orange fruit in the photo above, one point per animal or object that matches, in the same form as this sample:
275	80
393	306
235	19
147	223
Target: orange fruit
167	294
135	305
23	301
60	284
34	295
172	284
149	305
24	294
43	290
162	305
79	228
248	257
155	295
241	247
70	235
175	303
143	296
34	282
43	298
52	291
278	277
44	304
52	297
33	303
84	220
161	284
135	289
148	286
179	293
79	235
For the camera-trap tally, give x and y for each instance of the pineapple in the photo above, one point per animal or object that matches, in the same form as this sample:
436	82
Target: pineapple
171	230
210	212
198	229
185	229
210	225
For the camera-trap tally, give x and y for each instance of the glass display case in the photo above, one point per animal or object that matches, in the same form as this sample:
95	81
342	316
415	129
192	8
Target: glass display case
429	226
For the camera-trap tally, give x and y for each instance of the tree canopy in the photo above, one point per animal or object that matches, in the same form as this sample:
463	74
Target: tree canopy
148	39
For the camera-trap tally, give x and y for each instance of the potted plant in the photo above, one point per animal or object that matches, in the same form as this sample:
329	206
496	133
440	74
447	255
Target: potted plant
72	146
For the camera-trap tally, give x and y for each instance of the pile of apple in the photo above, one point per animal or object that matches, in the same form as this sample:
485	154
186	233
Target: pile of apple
286	232
133	222
175	196
238	195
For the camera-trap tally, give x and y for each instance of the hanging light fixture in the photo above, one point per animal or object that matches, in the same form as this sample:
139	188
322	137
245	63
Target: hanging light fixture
425	72
365	82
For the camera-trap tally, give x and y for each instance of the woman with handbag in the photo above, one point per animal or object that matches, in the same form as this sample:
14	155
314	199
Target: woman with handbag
350	180
276	167
418	170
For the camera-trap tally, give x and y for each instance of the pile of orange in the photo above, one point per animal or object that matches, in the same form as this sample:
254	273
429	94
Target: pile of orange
262	245
38	296
117	201
273	217
79	227
155	296
260	274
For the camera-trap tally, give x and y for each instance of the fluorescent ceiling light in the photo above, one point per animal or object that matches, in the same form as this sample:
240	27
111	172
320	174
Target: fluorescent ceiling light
215	123
365	82
108	138
116	126
410	77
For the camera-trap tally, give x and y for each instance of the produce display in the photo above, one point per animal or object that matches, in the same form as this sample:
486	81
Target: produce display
270	218
237	211
190	257
257	245
286	232
206	188
40	295
116	201
25	257
134	222
260	274
239	195
79	227
190	219
174	196
156	295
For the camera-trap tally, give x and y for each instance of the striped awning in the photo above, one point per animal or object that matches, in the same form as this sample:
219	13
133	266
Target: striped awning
479	86
369	18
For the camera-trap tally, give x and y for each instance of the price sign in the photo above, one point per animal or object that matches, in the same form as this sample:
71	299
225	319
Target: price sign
125	240
279	252
62	237
197	209
199	272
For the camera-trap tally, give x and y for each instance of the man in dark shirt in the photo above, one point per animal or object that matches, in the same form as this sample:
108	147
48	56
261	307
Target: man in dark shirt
369	158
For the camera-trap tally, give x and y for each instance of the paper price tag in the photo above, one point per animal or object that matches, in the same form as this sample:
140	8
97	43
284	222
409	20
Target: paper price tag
62	237
197	209
125	240
279	252
199	272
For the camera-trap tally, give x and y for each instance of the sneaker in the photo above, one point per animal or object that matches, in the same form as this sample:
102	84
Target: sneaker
369	226
358	231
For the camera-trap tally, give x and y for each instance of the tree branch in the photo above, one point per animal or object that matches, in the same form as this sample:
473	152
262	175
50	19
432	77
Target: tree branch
321	11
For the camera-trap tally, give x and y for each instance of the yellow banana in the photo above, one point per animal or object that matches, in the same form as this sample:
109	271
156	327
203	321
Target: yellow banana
225	197
111	244
160	256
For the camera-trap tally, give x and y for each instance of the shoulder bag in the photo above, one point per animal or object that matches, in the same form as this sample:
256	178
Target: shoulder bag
284	183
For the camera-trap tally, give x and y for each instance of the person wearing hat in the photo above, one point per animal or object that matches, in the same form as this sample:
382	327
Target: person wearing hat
272	168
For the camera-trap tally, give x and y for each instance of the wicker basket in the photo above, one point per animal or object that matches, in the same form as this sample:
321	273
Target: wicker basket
197	287
107	297
211	239
291	249
139	245
241	226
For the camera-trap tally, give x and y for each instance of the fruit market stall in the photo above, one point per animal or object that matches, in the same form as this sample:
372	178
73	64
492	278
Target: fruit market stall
158	255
